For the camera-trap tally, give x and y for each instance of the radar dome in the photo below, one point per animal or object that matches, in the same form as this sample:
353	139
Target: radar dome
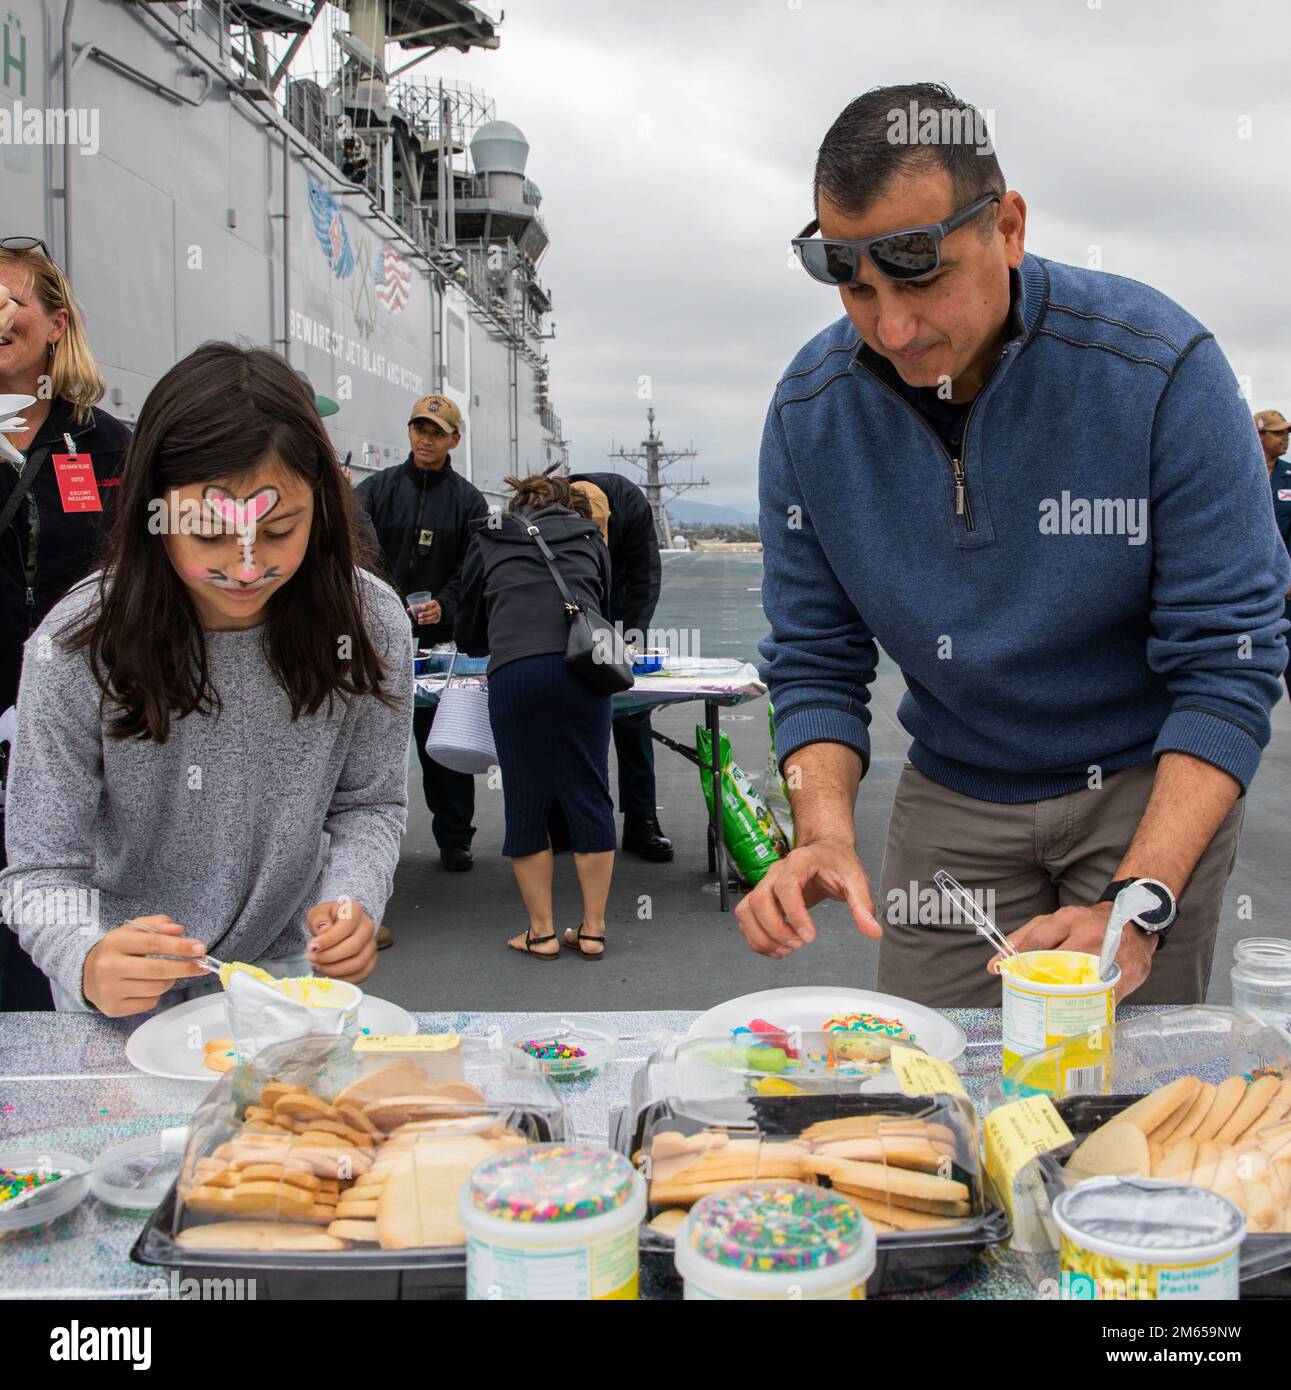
499	148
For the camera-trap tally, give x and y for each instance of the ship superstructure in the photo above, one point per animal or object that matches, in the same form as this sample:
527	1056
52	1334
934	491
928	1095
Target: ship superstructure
370	221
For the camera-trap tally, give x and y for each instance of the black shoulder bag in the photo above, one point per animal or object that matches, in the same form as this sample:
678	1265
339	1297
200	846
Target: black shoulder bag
595	647
22	484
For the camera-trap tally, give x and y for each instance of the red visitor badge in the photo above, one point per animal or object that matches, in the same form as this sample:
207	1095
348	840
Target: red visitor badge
77	485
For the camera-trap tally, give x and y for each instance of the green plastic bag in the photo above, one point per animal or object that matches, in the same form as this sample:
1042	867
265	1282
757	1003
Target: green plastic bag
753	838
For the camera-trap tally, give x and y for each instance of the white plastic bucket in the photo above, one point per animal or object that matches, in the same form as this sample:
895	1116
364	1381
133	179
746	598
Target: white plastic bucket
461	737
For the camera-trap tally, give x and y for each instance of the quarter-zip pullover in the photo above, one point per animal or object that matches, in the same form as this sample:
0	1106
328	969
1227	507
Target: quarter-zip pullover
1095	580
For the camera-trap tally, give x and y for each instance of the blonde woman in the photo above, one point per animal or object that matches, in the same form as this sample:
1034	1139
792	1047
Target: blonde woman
52	538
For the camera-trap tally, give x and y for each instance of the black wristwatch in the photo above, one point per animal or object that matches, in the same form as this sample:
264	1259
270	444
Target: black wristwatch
1157	922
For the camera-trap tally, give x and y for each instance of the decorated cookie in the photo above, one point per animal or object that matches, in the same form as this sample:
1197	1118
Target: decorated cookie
865	1037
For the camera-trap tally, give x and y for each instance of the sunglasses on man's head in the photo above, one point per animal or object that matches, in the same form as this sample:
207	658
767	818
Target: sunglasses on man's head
907	254
24	243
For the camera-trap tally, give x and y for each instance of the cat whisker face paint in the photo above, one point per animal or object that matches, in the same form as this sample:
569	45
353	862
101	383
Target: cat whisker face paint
220	580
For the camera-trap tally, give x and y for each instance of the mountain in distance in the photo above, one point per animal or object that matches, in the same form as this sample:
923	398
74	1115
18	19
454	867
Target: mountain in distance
684	513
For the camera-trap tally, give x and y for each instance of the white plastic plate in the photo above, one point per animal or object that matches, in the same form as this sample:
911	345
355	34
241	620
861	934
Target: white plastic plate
808	1006
164	1045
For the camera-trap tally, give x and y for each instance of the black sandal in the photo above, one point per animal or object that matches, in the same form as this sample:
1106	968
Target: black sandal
577	944
531	941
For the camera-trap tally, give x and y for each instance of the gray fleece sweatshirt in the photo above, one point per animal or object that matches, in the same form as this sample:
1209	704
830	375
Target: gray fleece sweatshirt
236	826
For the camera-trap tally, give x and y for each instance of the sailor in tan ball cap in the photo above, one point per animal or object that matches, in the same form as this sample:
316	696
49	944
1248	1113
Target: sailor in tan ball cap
1275	430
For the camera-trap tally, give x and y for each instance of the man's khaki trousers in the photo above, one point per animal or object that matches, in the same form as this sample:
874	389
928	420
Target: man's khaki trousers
1034	857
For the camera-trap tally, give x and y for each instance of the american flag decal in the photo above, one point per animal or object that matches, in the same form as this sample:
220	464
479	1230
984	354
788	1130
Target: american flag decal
392	276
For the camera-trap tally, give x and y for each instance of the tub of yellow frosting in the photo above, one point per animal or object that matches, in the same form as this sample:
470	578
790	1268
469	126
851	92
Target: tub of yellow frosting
1049	998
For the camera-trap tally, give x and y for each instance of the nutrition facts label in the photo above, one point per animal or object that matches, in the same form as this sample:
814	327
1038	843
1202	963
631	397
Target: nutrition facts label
1218	1279
604	1271
1033	1021
1023	1021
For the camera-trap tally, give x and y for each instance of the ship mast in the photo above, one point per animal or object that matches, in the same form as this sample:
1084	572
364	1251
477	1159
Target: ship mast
654	458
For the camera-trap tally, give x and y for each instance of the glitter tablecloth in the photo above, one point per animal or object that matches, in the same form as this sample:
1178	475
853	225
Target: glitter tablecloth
65	1084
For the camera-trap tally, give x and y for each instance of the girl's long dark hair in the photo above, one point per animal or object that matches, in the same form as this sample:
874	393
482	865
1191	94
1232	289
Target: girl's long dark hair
222	413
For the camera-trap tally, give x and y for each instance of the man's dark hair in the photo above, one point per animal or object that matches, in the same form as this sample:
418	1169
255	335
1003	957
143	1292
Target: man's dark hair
888	132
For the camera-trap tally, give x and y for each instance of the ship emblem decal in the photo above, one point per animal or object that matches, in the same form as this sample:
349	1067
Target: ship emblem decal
362	292
329	227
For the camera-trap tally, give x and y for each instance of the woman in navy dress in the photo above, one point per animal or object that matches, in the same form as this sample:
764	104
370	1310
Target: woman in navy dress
552	730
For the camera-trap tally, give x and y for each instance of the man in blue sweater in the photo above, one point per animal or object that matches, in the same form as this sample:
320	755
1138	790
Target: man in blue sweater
1038	487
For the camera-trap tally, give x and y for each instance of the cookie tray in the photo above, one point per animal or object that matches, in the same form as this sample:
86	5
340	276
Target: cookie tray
1261	1254
359	1273
907	1261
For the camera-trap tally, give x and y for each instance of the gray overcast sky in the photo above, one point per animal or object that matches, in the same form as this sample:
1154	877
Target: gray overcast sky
673	143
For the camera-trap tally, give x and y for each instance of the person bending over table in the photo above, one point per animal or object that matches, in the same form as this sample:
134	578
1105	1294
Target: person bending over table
551	730
1038	488
212	732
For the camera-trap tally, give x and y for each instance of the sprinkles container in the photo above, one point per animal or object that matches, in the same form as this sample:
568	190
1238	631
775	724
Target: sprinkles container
1144	1238
65	1175
775	1239
553	1221
566	1049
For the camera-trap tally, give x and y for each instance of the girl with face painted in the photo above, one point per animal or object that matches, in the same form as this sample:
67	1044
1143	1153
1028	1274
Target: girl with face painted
212	732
